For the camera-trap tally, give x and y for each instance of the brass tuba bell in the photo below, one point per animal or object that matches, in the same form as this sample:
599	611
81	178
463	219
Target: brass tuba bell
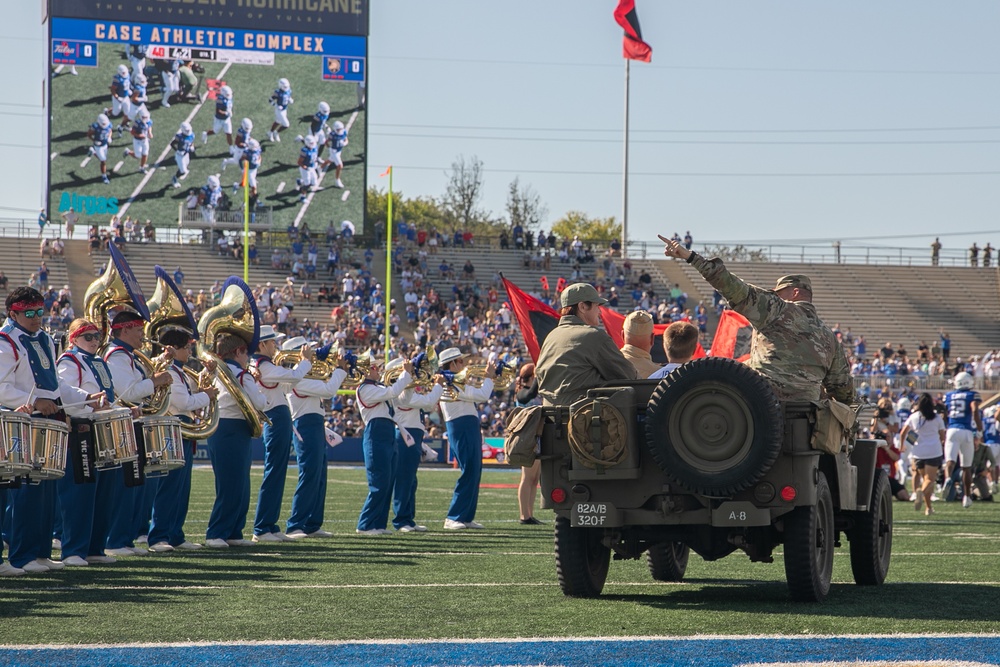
473	375
169	310
117	289
423	375
236	315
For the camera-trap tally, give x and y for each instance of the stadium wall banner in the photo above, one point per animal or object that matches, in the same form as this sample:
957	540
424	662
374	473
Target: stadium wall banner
153	100
329	17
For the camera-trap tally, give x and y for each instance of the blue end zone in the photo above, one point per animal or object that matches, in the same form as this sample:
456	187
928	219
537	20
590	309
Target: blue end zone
610	653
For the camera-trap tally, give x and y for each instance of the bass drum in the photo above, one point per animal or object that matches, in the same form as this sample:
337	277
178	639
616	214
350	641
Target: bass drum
164	444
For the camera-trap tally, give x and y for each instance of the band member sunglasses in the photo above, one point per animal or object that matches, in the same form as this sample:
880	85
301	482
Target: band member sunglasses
32	314
90	337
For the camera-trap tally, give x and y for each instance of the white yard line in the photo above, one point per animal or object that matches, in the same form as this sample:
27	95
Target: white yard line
166	151
119	165
53	156
319	180
85	162
280	188
343	197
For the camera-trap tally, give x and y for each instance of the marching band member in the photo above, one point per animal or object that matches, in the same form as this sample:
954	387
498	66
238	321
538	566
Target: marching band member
170	502
273	381
86	506
408	407
229	450
461	419
29	383
309	438
131	516
378	443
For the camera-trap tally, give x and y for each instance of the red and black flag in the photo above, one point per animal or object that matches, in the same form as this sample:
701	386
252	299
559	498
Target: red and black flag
732	337
633	47
534	318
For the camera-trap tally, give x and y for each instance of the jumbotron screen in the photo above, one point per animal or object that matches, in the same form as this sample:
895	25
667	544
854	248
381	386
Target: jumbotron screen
153	101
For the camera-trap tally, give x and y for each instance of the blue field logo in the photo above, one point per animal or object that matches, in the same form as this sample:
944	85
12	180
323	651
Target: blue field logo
87	204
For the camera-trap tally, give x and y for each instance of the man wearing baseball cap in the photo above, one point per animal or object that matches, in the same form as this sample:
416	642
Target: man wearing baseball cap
578	354
638	334
790	344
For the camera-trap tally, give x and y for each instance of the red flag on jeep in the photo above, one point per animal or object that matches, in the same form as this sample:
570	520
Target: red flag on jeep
732	337
534	318
633	47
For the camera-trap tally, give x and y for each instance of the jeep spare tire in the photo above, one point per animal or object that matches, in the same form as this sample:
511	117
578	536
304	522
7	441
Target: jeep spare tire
714	426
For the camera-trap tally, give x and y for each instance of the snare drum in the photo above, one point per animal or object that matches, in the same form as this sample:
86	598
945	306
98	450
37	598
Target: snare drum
164	445
114	438
49	442
15	445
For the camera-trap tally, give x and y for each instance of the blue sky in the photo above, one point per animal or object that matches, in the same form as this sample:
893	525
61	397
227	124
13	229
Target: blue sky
757	121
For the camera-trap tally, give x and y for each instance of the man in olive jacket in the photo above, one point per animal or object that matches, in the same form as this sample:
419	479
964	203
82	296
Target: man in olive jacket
578	354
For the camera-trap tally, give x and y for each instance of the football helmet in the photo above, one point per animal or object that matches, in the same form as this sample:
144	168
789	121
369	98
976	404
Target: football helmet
123	70
103	120
253	145
283	84
140	79
247	125
310	141
185	128
324	108
226	91
964	381
213	181
144	114
338	127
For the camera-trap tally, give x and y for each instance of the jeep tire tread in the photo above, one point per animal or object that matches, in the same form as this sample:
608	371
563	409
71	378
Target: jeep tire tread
582	560
668	561
871	537
714	426
809	544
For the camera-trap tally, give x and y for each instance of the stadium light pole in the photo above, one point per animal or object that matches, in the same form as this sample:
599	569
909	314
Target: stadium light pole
625	168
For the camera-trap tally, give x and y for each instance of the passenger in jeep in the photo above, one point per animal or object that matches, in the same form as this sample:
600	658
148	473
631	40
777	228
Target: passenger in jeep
791	346
680	341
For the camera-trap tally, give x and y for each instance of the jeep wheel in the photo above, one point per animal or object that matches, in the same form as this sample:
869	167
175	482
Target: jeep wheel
809	542
581	560
871	537
668	561
714	426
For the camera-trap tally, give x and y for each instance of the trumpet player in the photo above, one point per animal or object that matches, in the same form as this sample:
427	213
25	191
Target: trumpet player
378	442
30	383
408	450
86	496
274	381
170	501
309	438
229	450
132	511
461	418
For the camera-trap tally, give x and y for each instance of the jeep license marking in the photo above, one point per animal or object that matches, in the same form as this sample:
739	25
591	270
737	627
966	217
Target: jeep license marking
591	514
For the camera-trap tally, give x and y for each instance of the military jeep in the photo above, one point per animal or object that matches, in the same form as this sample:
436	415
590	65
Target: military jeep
708	460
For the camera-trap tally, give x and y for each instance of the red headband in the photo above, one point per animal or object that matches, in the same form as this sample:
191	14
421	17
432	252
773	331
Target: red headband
127	325
26	305
82	329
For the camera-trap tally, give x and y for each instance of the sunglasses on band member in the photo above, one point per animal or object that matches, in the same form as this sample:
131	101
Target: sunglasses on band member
32	314
90	337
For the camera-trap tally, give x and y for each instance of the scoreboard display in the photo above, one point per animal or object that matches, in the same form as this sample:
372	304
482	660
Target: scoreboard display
127	78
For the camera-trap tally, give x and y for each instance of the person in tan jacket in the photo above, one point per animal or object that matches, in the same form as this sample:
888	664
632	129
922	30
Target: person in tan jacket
639	337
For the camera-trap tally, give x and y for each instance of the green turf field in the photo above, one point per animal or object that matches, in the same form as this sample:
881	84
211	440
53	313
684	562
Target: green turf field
77	100
499	582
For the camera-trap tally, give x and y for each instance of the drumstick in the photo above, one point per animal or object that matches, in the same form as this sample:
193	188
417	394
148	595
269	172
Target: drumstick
79	403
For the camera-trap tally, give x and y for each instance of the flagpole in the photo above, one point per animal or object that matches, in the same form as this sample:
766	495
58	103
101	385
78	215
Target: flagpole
388	265
625	168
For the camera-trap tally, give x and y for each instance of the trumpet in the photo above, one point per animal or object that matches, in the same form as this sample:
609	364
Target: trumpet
474	375
425	367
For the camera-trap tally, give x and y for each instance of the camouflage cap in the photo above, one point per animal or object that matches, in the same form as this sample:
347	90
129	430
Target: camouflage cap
794	280
578	293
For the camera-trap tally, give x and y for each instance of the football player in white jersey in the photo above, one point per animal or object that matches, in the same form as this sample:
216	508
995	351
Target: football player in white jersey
142	132
223	120
281	98
99	134
139	97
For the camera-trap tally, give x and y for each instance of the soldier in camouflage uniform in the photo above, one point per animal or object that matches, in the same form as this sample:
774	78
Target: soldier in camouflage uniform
578	354
790	344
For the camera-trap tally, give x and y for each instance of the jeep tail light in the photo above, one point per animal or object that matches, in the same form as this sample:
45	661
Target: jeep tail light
558	495
788	493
